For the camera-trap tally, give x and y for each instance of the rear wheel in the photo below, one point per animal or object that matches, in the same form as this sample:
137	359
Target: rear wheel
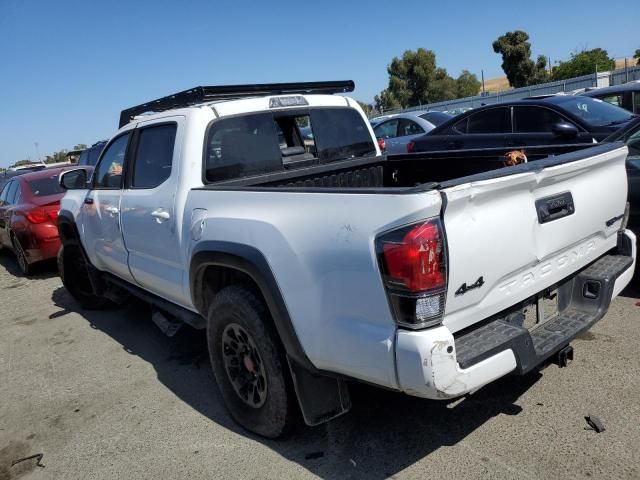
75	277
249	363
21	256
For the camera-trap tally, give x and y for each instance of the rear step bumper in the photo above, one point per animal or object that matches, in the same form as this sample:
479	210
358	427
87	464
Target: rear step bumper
433	364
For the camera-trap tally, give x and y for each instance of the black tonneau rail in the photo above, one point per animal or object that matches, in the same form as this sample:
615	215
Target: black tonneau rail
305	180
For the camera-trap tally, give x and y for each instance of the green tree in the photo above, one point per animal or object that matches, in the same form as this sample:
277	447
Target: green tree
386	101
57	157
80	146
19	163
415	79
467	84
637	56
584	63
366	108
517	65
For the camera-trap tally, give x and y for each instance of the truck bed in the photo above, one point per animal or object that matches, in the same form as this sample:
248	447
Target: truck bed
410	172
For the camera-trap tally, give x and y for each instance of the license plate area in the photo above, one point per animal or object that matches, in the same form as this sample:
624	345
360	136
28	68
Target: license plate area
541	310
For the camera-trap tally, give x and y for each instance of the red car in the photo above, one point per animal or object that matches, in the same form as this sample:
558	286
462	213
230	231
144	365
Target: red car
29	207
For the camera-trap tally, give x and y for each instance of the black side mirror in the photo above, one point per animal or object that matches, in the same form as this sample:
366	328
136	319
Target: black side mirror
75	179
564	129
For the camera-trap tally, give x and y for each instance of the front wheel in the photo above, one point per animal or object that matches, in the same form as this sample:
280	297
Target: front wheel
249	363
75	278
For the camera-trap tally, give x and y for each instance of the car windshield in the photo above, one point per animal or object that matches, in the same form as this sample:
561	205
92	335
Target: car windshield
593	111
41	187
437	118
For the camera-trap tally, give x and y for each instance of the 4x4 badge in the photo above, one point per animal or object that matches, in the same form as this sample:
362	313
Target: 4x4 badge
464	288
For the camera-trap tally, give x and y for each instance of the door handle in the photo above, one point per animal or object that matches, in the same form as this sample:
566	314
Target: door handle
112	210
454	144
160	215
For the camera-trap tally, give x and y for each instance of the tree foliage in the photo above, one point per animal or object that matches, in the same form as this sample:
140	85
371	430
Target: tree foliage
636	55
584	63
80	146
56	157
366	108
415	79
467	84
520	69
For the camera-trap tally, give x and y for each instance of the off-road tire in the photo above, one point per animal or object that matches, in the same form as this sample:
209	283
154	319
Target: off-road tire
238	306
75	278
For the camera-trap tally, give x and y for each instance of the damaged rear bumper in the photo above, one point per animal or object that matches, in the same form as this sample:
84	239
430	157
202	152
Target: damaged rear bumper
434	364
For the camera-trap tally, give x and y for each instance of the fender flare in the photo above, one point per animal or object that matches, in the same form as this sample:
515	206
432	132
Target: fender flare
252	262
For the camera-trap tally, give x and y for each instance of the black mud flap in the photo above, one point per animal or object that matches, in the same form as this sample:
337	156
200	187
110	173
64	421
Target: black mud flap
321	398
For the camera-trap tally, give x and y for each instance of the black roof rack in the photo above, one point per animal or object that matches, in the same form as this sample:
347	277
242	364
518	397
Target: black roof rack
205	94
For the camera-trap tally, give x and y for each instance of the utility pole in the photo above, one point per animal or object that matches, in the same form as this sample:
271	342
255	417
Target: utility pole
37	151
482	75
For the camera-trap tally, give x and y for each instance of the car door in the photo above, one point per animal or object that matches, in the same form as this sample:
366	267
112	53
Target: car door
99	217
388	131
408	130
4	211
534	125
149	218
484	129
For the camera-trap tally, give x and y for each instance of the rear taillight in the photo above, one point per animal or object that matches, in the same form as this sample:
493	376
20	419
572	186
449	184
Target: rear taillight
37	215
53	214
382	145
413	263
411	146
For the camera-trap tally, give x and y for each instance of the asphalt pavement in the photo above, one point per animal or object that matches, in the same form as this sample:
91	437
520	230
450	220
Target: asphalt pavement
104	395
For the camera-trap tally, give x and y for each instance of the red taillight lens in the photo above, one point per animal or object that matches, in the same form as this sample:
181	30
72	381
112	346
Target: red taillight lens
37	215
53	214
414	267
417	261
382	145
411	146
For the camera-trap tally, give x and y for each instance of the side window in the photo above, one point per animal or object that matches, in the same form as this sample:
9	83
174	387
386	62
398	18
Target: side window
615	99
535	119
108	173
493	120
408	127
636	103
461	126
83	160
12	192
388	129
154	156
3	194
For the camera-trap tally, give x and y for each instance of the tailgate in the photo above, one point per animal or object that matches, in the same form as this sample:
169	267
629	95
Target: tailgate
511	236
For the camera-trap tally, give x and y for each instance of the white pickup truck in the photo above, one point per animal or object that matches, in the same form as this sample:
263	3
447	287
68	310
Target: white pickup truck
266	215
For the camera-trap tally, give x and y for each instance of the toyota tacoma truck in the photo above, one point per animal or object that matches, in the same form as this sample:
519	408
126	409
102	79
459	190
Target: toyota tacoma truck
314	262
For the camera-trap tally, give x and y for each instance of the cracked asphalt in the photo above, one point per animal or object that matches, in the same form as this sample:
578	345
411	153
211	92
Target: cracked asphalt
105	395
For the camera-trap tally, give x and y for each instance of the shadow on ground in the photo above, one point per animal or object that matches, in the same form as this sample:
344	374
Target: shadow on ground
41	270
385	432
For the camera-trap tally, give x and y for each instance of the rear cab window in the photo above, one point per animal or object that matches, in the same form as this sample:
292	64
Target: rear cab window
267	142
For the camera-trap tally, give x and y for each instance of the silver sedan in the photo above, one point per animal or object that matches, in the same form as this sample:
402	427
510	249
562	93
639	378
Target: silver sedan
400	129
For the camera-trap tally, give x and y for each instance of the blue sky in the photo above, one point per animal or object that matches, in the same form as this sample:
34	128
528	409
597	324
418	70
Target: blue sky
68	68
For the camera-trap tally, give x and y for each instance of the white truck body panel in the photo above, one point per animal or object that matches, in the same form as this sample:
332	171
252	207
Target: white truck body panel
515	254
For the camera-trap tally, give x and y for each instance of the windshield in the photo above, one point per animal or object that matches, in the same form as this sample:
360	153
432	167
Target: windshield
45	186
593	111
437	118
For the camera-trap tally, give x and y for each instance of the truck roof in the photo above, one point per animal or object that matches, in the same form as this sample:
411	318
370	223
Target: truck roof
287	95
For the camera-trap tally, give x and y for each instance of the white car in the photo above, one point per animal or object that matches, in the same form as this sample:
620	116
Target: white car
398	130
314	264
